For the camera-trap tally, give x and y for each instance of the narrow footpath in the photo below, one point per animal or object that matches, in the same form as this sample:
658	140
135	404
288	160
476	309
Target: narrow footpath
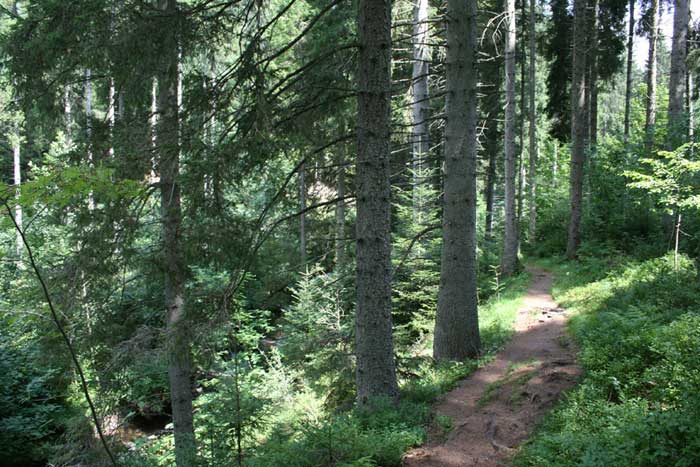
496	408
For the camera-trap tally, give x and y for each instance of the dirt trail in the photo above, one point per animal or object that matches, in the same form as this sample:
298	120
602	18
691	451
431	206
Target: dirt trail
497	407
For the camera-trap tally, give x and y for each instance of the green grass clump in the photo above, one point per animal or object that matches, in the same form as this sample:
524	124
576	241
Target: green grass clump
638	327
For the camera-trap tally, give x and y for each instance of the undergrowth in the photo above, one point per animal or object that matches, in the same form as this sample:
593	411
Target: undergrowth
638	327
302	431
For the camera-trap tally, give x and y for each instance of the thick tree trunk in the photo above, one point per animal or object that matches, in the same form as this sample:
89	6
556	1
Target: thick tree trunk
456	323
374	347
650	123
677	126
628	85
509	259
532	173
178	334
578	127
421	104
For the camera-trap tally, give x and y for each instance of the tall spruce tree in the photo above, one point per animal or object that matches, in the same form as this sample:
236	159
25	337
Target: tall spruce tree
677	126
178	332
456	323
578	127
374	349
509	258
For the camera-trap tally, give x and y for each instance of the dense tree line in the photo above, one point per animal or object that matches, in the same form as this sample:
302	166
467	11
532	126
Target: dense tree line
241	207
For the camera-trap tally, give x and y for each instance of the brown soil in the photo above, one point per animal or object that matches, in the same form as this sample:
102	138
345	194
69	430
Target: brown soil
497	407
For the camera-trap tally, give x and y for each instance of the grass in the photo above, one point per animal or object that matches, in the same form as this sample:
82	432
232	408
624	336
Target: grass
638	327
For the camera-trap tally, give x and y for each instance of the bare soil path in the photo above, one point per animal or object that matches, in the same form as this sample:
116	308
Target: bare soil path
498	406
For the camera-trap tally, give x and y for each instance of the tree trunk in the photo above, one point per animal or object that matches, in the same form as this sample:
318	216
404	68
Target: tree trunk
177	335
509	259
578	127
17	169
456	323
88	116
374	347
340	206
302	216
690	108
491	72
111	115
68	115
628	86
491	175
532	179
650	123
555	163
523	117
421	105
593	83
153	121
676	88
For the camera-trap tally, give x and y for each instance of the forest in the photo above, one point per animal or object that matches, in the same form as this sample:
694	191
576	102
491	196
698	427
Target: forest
349	233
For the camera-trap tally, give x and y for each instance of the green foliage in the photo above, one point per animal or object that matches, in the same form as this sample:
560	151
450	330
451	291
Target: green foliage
31	408
639	332
317	333
231	411
672	178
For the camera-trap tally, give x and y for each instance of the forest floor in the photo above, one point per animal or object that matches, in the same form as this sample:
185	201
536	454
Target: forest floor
486	417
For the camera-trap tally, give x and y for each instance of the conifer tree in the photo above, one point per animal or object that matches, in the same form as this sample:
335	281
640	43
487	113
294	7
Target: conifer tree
374	349
456	323
578	127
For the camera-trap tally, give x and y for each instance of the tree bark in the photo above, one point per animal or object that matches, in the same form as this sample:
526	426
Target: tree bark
532	182
174	267
523	117
628	85
677	126
492	73
456	323
88	116
421	104
650	123
509	259
593	83
555	163
578	127
493	149
302	216
68	115
690	108
340	258
17	169
374	347
111	115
